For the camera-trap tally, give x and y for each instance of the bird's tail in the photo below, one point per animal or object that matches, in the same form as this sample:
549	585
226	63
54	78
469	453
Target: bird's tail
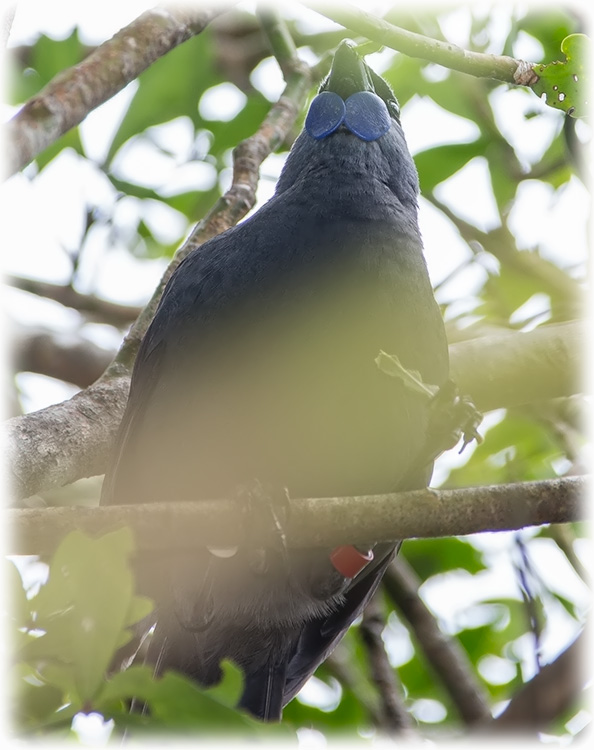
263	692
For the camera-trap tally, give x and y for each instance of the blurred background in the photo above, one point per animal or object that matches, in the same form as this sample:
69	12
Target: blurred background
91	224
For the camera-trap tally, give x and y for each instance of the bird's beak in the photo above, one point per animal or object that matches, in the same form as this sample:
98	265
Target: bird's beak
349	73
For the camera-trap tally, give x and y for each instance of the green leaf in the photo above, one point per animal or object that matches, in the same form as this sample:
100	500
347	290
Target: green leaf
20	611
433	556
193	204
49	57
508	290
457	94
391	365
83	609
228	691
70	139
140	607
518	448
549	25
566	84
438	164
33	701
174	700
568	605
169	88
504	188
42	61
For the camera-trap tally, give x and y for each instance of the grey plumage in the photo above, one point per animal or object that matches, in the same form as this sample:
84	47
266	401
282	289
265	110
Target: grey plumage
259	365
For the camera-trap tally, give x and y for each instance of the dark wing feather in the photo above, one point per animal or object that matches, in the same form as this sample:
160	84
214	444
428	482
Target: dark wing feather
320	636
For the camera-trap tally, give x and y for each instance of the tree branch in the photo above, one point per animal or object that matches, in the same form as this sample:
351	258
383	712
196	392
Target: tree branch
73	93
500	67
317	522
501	244
279	38
502	371
67	357
43	449
548	695
234	205
64	442
521	368
97	308
395	719
444	654
348	673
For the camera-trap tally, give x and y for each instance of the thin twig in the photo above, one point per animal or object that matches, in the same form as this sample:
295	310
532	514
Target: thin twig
88	304
348	674
525	574
280	40
449	55
445	655
548	695
501	243
231	207
395	719
564	537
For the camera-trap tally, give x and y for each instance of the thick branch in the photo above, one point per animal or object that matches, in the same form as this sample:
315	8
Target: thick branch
548	695
318	522
62	443
67	357
445	655
95	307
449	55
497	372
510	370
71	95
521	368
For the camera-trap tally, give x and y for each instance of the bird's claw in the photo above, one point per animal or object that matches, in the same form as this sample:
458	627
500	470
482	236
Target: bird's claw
265	511
452	417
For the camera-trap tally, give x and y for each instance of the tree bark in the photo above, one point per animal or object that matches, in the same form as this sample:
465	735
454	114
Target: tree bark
313	522
71	95
548	695
445	655
499	372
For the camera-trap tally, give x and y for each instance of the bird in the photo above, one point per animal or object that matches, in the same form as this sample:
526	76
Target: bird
257	380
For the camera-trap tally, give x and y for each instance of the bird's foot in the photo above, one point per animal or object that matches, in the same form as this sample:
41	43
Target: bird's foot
452	417
201	614
265	510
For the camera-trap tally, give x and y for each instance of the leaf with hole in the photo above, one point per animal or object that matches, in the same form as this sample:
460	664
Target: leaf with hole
566	84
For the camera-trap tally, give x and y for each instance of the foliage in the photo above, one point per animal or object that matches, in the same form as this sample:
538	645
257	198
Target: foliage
67	634
566	84
508	285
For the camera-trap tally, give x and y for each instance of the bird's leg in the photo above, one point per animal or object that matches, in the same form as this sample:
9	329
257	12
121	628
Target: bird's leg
265	510
203	605
451	417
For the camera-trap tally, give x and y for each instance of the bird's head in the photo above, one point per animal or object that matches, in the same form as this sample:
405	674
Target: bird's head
353	127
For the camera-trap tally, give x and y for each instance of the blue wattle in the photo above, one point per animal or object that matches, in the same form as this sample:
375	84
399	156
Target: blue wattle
325	115
367	115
